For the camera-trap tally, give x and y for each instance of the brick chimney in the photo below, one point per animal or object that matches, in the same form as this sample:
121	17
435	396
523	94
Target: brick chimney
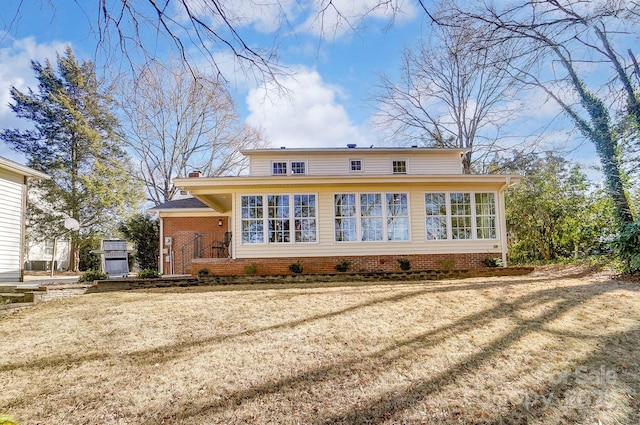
195	174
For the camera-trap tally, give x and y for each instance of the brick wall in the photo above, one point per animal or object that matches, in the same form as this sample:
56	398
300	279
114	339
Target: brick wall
182	231
321	265
197	224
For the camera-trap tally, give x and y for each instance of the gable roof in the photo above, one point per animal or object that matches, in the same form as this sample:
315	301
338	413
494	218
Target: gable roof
181	204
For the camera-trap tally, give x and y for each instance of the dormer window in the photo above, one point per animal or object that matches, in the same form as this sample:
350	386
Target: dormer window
355	165
399	166
283	168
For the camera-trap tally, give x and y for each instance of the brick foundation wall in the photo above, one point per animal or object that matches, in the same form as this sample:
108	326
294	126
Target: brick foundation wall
324	265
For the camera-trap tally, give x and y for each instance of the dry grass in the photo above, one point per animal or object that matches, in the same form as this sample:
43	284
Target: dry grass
541	349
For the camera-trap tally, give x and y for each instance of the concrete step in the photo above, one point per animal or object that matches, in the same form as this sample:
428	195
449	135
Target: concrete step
5	289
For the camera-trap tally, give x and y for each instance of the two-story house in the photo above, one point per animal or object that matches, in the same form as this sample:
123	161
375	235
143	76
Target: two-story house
367	206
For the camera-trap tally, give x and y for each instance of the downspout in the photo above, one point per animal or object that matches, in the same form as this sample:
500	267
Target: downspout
160	246
23	229
503	221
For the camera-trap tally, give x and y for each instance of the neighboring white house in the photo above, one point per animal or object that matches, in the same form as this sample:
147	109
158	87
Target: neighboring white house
368	206
13	199
39	253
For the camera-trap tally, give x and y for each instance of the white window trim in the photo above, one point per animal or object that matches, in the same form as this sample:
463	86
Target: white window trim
406	164
265	219
361	170
474	224
358	218
289	169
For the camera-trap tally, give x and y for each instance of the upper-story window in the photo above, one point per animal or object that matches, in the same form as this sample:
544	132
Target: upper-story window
355	165
399	166
279	168
298	167
283	168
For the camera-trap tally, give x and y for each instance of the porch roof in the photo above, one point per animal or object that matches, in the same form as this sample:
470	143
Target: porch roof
217	192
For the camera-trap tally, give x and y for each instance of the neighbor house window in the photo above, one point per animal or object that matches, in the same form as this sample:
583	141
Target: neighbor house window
436	212
399	166
356	165
287	218
460	215
371	217
279	168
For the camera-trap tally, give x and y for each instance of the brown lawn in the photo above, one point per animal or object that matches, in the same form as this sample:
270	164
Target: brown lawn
542	349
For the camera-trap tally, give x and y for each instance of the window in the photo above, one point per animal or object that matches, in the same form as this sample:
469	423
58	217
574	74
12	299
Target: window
279	168
460	216
298	167
278	218
304	215
397	217
485	216
355	165
371	217
252	220
48	248
287	218
345	208
436	211
399	166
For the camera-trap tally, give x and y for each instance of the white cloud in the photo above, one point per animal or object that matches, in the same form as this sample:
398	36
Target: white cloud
306	113
341	16
15	71
266	16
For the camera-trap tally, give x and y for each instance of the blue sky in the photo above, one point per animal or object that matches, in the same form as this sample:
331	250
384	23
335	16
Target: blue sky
332	77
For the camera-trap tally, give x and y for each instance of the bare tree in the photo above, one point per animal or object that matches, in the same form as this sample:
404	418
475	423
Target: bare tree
578	65
202	29
455	92
176	123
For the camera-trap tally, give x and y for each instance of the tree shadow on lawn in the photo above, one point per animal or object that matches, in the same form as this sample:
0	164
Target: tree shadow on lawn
388	405
169	352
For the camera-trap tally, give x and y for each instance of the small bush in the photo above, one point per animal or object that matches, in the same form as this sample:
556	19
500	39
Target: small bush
446	264
251	268
492	262
296	267
91	275
148	274
342	266
204	272
404	263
